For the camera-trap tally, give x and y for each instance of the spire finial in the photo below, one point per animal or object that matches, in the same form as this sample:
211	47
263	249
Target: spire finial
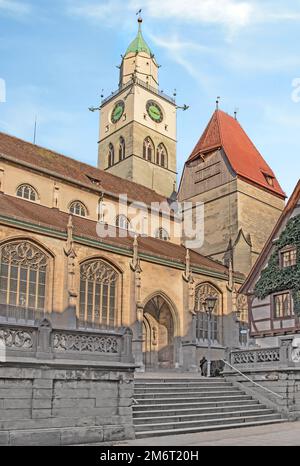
235	113
140	19
217	102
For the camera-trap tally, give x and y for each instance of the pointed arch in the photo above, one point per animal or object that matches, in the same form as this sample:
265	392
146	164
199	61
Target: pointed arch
161	233
25	279
162	156
148	149
172	307
99	292
122	149
202	292
111	155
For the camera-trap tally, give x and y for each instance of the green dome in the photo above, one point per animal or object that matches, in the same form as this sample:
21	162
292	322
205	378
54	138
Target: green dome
139	44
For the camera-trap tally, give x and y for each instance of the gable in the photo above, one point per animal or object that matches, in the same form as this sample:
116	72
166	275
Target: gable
292	210
244	158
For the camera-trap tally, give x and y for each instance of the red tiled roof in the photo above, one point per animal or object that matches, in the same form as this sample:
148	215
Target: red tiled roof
223	131
74	170
37	214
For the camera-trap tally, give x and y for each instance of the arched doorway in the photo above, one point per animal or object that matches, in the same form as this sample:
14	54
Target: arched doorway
158	334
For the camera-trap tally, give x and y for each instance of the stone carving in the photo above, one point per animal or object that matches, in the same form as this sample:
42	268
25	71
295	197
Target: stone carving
99	271
71	262
24	254
295	355
256	356
64	342
16	338
204	291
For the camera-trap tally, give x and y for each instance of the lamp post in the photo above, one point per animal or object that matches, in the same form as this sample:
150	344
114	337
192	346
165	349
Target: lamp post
210	303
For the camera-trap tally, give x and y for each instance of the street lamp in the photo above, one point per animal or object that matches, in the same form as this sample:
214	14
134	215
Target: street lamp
209	304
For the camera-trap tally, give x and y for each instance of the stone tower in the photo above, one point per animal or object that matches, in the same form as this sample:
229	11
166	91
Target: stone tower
242	197
138	123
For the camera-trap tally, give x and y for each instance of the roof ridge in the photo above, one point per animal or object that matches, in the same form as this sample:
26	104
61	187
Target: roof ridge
79	162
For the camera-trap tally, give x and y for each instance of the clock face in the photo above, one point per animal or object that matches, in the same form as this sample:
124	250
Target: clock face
118	111
154	111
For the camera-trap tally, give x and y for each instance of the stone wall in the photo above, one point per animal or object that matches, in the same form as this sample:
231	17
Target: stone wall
64	404
64	388
273	375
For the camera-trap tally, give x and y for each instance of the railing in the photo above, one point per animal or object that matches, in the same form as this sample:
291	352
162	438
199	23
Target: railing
41	341
250	380
255	356
142	84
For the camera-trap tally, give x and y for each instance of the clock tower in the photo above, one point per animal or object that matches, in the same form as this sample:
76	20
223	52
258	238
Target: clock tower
138	124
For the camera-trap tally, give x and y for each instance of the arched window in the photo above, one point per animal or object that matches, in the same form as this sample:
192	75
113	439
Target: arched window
111	155
121	148
162	156
98	293
162	234
148	149
27	192
23	276
77	208
122	222
204	291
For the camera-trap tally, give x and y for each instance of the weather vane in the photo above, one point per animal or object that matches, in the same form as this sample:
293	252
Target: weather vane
217	102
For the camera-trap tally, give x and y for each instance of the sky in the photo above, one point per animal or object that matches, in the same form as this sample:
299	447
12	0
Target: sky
59	56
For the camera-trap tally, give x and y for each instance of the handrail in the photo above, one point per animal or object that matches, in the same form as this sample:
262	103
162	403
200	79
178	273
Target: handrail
252	381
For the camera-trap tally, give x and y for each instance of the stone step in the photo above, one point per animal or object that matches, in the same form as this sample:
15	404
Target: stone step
187	394
177	431
174	411
184	380
171	390
155	427
175	400
200	417
197	405
200	383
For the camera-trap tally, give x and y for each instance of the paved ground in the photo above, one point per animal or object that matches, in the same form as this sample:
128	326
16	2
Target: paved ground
284	434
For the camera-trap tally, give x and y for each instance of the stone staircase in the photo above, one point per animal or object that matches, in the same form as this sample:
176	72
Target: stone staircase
168	406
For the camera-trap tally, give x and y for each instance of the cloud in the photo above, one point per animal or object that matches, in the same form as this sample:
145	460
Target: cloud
14	8
232	15
181	52
229	12
95	11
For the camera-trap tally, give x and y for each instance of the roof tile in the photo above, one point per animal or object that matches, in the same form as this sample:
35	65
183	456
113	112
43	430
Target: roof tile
224	131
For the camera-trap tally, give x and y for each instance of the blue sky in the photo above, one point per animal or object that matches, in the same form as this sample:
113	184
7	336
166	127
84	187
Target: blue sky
58	55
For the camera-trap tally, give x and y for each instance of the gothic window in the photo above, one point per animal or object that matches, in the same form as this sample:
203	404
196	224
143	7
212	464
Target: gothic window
122	222
282	306
204	291
161	156
122	149
23	276
77	208
98	293
148	149
162	234
25	191
288	256
111	155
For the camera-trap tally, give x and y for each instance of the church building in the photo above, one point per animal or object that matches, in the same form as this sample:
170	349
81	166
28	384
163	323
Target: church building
56	261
